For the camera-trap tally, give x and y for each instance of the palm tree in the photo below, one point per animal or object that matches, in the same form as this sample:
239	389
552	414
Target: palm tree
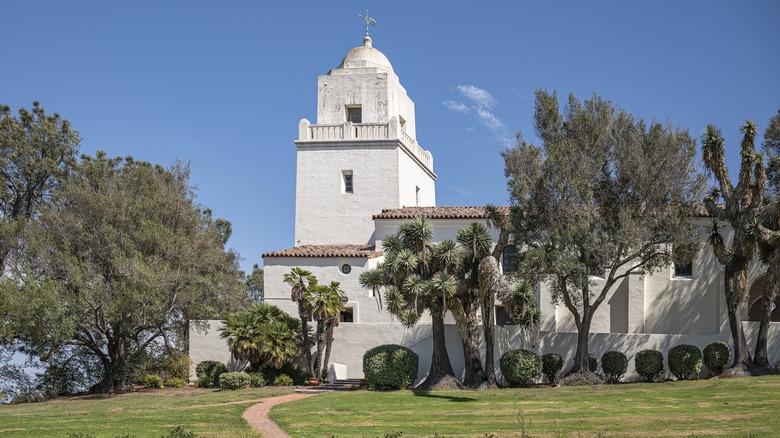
414	282
300	280
332	322
323	303
742	204
263	334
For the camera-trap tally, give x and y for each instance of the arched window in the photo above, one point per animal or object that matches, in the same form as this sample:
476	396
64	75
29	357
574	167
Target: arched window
509	259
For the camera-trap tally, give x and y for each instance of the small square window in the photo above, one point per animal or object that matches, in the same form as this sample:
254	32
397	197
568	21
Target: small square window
348	183
503	317
355	114
683	270
347	315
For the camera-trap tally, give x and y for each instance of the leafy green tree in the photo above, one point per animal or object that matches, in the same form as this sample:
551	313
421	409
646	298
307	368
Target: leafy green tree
255	284
604	194
121	259
744	210
36	152
263	334
300	280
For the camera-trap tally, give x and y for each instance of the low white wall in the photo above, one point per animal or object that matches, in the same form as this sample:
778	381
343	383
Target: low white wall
352	340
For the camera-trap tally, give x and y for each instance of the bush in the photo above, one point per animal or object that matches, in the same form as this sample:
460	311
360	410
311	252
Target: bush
203	382
552	364
614	364
593	363
153	382
519	366
299	375
716	356
176	365
181	433
649	364
390	366
210	370
283	380
256	380
174	383
234	380
582	378
684	360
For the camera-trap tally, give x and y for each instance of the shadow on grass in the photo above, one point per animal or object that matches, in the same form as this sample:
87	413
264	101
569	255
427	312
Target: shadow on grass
431	394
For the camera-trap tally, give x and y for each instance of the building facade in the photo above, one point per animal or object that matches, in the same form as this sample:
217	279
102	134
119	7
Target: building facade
361	173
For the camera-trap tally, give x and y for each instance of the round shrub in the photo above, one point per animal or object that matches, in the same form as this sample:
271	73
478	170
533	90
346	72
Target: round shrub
390	366
614	364
153	382
203	382
233	380
684	360
174	383
552	364
582	378
716	356
256	380
519	366
649	364
210	370
283	380
593	363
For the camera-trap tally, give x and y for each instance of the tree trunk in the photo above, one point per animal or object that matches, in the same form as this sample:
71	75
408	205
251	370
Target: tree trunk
488	306
329	344
306	342
440	374
582	357
733	303
771	284
474	374
319	338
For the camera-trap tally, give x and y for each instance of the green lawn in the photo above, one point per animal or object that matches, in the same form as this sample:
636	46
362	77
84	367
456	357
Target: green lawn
149	413
728	407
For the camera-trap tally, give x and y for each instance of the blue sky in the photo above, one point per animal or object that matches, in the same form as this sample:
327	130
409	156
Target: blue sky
224	84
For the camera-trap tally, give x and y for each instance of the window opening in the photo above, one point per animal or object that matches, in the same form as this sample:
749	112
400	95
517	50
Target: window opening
347	315
417	196
346	269
348	182
683	270
503	317
508	259
355	114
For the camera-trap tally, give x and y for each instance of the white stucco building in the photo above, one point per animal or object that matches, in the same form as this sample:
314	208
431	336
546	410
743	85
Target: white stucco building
361	172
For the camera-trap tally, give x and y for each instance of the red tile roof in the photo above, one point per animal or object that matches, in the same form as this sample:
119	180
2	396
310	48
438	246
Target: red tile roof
367	251
474	212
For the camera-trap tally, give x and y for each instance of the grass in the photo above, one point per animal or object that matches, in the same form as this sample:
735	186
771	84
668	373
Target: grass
725	407
148	413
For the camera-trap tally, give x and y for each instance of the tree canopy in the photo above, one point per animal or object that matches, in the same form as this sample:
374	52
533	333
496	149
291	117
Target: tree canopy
121	259
603	195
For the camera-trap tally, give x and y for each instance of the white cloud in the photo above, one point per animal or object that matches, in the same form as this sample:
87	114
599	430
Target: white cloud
455	106
488	119
479	96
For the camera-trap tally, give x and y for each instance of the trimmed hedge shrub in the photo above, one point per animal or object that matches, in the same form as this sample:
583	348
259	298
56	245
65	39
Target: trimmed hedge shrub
552	364
390	366
256	380
582	378
614	364
684	360
154	382
174	383
234	380
593	363
649	364
283	380
519	366
716	356
211	370
203	382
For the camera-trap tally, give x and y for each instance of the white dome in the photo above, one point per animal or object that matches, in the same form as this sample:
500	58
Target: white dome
366	56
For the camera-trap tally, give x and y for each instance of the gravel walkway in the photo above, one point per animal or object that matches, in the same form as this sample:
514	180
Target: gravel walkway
257	415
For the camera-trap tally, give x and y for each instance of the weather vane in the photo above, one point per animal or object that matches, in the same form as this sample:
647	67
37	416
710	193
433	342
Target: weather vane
369	20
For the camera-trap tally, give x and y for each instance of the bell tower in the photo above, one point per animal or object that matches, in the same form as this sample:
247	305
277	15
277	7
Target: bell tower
362	154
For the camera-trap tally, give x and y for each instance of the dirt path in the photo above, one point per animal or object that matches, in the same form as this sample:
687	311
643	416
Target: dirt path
257	415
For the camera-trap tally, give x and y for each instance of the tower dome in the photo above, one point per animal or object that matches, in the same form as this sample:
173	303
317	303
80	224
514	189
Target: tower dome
366	56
